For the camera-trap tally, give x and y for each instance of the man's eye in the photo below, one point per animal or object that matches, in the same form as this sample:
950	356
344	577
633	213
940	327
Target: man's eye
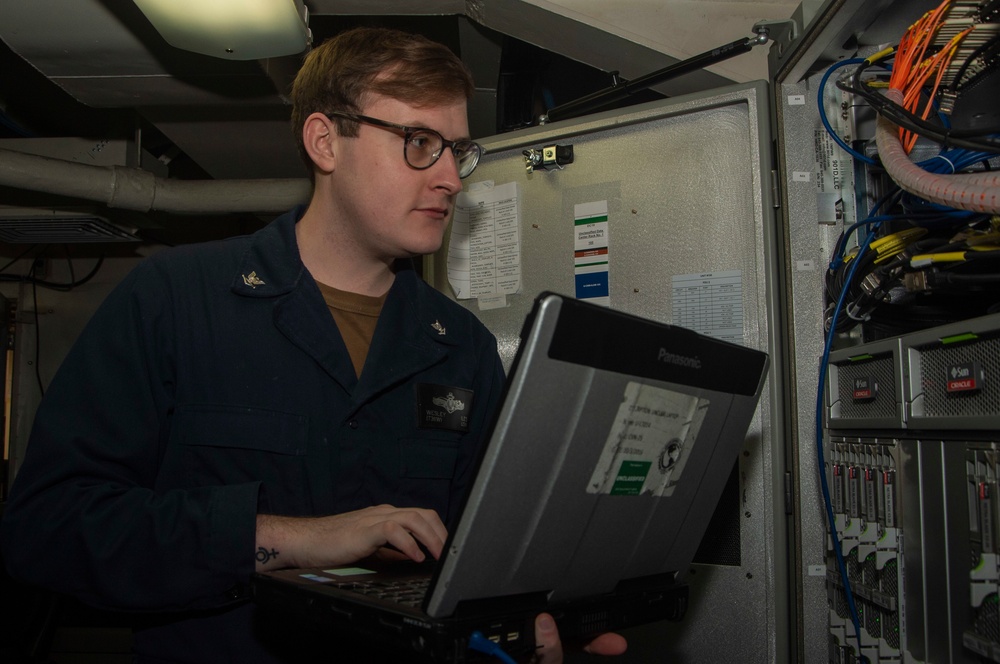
420	141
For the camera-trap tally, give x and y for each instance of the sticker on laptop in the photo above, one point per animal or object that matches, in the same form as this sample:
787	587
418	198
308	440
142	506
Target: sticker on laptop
349	571
317	578
649	442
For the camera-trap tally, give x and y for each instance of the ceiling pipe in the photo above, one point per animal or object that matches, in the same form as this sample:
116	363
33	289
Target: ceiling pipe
135	189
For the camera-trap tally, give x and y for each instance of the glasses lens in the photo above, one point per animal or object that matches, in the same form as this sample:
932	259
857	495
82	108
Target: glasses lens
467	155
423	148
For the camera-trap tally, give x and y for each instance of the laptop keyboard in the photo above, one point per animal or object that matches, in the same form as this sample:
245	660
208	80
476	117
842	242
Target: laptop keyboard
410	592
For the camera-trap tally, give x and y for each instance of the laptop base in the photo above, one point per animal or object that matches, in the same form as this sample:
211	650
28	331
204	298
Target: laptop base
423	639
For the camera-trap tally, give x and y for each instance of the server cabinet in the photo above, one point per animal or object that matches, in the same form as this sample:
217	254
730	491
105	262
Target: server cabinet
907	463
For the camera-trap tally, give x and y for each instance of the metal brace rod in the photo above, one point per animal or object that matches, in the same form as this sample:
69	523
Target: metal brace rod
620	90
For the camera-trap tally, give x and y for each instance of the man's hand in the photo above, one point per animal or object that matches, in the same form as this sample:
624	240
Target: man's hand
342	539
549	646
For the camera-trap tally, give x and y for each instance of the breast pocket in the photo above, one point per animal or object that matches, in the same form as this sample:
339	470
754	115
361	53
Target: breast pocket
426	470
222	444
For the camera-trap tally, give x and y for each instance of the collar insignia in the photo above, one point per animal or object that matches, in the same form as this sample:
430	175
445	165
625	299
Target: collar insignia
439	327
252	280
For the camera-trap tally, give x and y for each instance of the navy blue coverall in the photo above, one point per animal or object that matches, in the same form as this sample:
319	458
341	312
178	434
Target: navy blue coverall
213	385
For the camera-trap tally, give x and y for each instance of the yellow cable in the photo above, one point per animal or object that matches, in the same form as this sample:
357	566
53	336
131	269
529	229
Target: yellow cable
975	241
903	236
891	245
943	257
884	53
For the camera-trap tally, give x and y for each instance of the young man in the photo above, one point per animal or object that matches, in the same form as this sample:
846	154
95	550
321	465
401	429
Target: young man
251	403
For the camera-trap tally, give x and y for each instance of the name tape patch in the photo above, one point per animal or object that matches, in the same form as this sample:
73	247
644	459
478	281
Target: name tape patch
443	407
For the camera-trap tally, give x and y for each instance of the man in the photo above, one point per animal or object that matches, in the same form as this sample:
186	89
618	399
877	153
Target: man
251	403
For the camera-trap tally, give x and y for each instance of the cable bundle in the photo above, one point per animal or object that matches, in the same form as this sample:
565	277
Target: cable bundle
942	55
951	196
925	53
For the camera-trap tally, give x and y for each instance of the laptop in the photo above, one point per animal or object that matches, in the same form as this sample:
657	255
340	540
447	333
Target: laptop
603	467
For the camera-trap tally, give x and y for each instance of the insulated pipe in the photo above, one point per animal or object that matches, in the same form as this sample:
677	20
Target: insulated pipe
978	192
135	189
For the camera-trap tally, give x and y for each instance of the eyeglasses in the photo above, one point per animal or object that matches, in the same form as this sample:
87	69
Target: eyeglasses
422	147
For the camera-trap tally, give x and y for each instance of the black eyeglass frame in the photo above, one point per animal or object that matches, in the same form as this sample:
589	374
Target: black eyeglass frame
408	133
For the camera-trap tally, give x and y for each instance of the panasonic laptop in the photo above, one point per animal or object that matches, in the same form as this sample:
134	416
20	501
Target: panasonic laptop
604	465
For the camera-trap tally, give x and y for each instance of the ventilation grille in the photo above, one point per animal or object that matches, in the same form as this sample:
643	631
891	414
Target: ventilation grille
934	366
878	370
61	230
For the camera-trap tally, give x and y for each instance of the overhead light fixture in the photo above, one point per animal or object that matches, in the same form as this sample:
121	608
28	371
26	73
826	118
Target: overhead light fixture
232	29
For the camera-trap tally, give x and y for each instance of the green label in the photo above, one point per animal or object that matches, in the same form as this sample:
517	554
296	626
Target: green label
631	476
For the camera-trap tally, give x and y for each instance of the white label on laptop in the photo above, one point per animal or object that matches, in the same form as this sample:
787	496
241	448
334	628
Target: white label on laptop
349	571
649	442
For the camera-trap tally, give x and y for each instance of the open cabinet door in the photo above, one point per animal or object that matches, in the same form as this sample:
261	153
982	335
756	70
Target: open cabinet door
666	211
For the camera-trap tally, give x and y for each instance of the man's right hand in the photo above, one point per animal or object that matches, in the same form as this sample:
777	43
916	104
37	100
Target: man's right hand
342	539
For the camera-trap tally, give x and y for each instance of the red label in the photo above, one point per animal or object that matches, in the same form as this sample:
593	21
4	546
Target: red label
963	385
963	377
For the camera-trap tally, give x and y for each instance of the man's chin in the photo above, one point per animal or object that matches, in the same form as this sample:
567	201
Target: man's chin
425	247
413	252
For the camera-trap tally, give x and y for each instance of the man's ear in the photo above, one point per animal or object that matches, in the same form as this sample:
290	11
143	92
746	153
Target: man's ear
319	136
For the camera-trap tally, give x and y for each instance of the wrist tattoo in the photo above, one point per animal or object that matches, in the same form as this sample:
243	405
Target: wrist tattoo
264	556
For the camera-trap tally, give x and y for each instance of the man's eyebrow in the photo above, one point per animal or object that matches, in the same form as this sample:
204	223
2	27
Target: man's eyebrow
421	125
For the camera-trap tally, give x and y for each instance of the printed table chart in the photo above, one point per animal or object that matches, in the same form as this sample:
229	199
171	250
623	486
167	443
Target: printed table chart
710	303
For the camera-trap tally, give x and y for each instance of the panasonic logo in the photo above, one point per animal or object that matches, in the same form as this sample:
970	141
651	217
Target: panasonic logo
679	360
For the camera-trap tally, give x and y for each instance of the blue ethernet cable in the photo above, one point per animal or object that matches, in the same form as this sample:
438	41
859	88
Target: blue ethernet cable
852	607
480	643
822	111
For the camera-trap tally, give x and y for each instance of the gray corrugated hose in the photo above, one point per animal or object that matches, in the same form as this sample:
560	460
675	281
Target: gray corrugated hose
979	192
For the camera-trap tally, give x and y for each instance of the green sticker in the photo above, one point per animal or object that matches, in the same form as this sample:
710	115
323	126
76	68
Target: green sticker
631	476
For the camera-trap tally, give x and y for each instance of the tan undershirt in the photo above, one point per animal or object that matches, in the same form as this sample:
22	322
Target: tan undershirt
356	317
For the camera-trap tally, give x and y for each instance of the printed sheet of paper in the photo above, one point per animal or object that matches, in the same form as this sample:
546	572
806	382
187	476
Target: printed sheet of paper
649	442
710	303
484	254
